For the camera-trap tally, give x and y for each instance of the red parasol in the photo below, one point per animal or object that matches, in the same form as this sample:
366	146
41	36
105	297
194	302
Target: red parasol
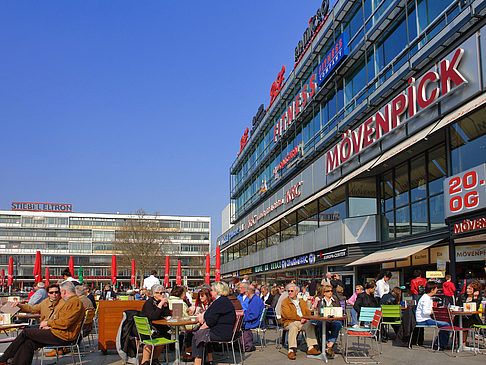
10	271
179	273
71	265
113	270
133	274
37	268
47	276
2	278
166	281
207	276
217	269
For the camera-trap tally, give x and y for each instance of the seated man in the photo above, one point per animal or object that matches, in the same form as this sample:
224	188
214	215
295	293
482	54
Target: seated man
251	319
39	295
44	308
243	297
60	329
424	311
293	309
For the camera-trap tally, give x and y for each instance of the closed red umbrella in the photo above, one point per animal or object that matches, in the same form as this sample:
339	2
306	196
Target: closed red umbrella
217	269
133	274
71	265
166	279
113	270
10	271
207	276
179	273
2	277
47	276
37	268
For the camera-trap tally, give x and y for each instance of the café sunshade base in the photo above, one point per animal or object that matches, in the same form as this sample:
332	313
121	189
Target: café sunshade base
392	254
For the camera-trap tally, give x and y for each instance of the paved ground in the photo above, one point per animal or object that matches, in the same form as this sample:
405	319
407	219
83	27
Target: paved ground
270	355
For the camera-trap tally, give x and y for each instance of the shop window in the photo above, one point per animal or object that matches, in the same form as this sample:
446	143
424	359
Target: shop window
332	206
468	142
418	178
289	226
307	218
362	197
273	234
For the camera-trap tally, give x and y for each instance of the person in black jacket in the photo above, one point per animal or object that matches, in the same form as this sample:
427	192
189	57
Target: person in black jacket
108	293
391	298
155	308
217	322
367	298
472	295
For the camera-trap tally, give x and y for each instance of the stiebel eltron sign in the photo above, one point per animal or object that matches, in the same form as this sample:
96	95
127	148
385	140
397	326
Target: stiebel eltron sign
418	96
465	192
42	207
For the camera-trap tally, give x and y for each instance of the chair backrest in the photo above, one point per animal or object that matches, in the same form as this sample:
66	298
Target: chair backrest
391	311
367	314
143	327
262	318
442	314
237	327
79	335
124	297
375	323
89	316
343	305
240	312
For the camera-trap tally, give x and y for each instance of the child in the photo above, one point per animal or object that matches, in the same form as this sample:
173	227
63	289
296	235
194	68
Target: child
449	289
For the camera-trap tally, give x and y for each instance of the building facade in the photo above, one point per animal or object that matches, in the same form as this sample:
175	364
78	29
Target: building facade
89	237
384	104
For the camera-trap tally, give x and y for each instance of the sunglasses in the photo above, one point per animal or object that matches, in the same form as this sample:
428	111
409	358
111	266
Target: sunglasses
159	292
53	292
327	291
290	290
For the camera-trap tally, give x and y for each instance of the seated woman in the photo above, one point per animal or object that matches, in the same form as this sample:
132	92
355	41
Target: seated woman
217	322
178	295
333	327
472	295
155	308
424	311
203	300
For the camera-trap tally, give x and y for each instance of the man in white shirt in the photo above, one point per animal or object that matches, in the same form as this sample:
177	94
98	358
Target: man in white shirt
424	311
382	286
150	281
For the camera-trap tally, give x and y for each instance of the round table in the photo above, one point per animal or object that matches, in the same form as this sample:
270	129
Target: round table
176	323
462	314
6	327
324	336
30	316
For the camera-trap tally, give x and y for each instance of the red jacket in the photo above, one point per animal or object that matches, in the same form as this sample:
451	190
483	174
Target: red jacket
448	288
416	283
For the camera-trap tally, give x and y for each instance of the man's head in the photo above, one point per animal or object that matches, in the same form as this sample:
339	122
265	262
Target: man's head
41	285
35	287
67	289
153	272
431	288
387	276
370	287
243	288
66	273
246	277
251	291
292	290
53	292
80	290
328	276
359	289
264	289
107	287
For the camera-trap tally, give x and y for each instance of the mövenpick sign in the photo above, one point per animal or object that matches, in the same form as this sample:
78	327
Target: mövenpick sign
417	95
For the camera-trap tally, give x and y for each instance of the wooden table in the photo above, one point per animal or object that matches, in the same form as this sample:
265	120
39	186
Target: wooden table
110	315
176	323
324	334
30	316
460	314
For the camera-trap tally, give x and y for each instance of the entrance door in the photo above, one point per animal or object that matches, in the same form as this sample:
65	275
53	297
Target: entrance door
348	280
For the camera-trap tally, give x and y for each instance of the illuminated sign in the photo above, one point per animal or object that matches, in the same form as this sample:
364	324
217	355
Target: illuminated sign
326	256
295	108
42	207
430	87
245	272
463	193
315	24
301	260
297	151
332	59
277	86
469	225
470	253
289	196
227	237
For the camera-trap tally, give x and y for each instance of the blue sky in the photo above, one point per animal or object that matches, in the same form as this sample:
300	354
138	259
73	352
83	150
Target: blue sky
119	105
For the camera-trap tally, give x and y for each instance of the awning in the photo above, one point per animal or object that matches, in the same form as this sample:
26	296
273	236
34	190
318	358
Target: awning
392	254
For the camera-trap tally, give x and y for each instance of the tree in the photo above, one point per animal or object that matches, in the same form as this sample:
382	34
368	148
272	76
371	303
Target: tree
144	239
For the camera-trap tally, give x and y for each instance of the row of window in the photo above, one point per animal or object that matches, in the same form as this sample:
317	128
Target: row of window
377	64
408	197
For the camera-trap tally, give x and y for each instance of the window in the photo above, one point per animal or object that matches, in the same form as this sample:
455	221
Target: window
332	206
362	197
289	226
307	218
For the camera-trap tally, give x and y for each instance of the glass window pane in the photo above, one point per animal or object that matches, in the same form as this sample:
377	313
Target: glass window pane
437	169
273	234
362	197
261	239
401	185
419	217
418	178
307	218
252	244
388	225
387	191
288	226
332	206
402	221
437	216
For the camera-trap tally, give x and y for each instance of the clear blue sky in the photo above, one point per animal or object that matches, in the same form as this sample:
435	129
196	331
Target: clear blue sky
119	105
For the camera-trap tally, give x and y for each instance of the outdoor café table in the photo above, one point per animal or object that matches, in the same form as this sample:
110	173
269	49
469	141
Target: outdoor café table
176	323
30	316
5	327
460	314
324	337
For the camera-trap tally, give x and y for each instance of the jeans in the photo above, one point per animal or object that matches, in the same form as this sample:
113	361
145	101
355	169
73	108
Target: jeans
333	329
443	335
354	317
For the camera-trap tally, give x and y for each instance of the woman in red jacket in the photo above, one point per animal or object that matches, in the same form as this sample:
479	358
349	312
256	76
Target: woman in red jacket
417	288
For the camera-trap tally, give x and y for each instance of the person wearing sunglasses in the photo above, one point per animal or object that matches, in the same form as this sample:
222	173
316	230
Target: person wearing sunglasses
332	327
44	308
293	309
156	307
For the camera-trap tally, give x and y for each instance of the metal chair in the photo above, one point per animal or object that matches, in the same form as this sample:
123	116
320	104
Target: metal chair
389	315
89	320
234	338
476	336
73	346
443	314
144	329
261	329
372	333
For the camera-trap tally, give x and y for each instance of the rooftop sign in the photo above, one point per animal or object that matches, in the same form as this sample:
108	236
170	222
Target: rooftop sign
42	207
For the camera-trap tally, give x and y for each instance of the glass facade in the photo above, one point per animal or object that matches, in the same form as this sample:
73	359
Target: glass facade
407	33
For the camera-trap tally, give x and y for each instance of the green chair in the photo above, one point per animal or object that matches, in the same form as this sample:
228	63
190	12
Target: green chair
391	314
143	329
476	337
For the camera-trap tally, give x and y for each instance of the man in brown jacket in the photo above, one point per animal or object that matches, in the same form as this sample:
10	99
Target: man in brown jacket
293	309
60	329
46	307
